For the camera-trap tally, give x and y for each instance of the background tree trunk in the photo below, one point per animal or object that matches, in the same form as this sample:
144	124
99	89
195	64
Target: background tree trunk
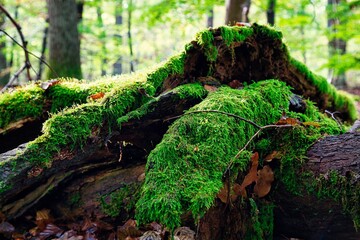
270	12
4	66
64	49
337	46
117	66
234	11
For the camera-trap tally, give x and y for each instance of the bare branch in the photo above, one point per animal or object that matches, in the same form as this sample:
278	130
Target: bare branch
24	43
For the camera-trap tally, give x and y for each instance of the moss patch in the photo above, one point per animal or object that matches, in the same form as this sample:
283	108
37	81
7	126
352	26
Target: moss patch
197	149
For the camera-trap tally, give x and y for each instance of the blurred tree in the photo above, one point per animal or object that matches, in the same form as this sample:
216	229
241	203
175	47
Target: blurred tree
4	65
237	11
337	44
102	39
270	12
130	8
64	49
343	32
117	66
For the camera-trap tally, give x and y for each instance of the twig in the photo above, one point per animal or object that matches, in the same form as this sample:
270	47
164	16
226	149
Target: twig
24	43
13	78
32	54
216	111
333	117
252	138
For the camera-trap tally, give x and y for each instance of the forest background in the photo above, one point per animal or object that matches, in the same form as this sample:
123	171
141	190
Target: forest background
122	36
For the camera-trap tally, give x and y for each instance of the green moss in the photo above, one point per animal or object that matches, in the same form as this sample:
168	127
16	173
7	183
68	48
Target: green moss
262	220
175	65
23	102
266	32
235	34
206	40
198	148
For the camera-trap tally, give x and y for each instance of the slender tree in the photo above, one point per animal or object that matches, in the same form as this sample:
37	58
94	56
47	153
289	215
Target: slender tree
234	11
337	45
130	10
270	12
117	66
64	47
102	38
210	18
4	66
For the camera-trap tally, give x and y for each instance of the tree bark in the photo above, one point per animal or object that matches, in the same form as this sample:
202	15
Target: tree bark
234	11
64	47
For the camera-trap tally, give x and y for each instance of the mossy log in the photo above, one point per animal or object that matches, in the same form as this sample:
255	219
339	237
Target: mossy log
186	120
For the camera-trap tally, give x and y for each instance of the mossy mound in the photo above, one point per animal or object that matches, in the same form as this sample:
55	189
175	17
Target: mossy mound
185	170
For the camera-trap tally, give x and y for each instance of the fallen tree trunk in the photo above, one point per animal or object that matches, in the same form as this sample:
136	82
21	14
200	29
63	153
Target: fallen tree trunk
94	153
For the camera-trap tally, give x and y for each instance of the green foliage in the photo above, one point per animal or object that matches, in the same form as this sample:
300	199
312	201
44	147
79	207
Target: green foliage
235	34
262	219
23	102
198	148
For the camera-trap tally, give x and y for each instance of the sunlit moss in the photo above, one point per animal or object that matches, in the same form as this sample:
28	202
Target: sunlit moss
197	149
23	102
235	34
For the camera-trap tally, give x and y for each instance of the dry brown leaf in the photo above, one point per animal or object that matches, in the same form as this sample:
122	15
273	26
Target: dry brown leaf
184	233
210	88
34	172
236	84
129	229
43	218
223	195
239	191
314	124
273	155
263	184
97	95
48	84
153	235
252	175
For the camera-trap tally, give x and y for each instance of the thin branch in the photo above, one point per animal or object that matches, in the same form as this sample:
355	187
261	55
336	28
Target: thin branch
32	54
252	138
13	78
216	111
333	117
24	43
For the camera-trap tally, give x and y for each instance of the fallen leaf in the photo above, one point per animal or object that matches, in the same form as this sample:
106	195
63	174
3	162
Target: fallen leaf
184	233
196	149
48	84
252	175
43	218
242	24
153	235
236	84
34	172
314	124
129	229
210	88
263	184
284	120
97	95
273	155
223	194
